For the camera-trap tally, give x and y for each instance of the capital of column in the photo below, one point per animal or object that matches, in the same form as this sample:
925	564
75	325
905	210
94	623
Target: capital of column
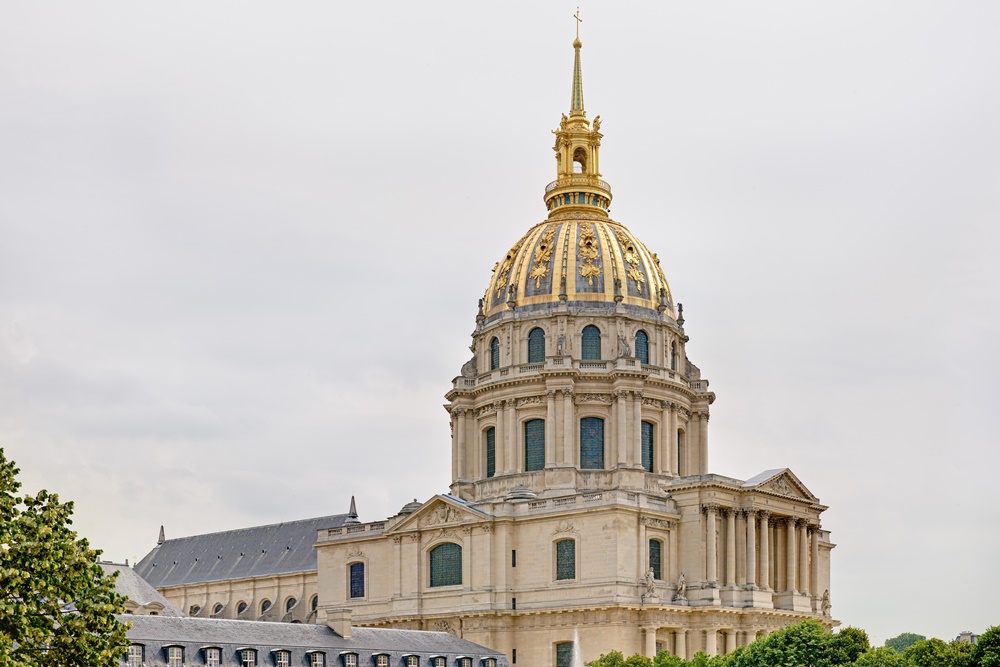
710	508
704	416
568	393
765	515
459	412
621	394
748	511
550	394
726	511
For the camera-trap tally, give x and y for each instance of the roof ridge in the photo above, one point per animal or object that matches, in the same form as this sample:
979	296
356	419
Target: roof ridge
265	525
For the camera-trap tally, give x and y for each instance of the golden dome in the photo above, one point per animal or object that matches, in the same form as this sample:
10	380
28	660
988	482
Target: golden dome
582	259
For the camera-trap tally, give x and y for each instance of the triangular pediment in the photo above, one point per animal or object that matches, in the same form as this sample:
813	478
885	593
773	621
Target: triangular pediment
441	511
782	482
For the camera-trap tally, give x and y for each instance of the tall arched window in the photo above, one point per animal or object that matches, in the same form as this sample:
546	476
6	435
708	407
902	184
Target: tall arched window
656	558
264	606
647	446
289	604
566	559
536	346
642	346
564	654
681	468
592	443
494	354
491	451
446	565
534	444
673	356
591	343
357	577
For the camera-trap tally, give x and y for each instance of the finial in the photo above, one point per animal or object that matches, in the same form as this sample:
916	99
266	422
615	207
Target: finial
576	42
162	537
352	514
576	106
680	314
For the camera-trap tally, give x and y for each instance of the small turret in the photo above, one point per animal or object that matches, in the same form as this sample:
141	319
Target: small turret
162	538
352	514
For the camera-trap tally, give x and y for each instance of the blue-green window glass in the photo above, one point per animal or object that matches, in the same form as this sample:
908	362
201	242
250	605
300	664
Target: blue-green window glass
566	559
656	558
673	356
591	343
534	444
494	354
536	346
642	346
647	446
446	565
491	451
592	443
564	654
357	580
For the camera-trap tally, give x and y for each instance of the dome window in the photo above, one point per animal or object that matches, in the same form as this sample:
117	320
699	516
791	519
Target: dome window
536	346
534	444
494	354
642	346
579	160
591	343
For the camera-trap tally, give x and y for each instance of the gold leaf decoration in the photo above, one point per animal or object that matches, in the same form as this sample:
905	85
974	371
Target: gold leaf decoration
588	251
503	269
542	256
631	257
588	270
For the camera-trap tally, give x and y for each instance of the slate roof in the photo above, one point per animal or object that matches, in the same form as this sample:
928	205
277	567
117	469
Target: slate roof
261	551
156	633
762	477
138	590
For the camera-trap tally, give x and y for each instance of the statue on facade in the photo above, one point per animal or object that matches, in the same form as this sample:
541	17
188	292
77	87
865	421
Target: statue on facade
682	587
560	345
623	347
650	583
825	602
597	123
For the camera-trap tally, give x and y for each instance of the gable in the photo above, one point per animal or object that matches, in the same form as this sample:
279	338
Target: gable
781	482
439	512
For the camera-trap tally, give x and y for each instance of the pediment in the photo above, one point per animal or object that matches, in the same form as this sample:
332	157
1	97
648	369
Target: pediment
441	511
781	482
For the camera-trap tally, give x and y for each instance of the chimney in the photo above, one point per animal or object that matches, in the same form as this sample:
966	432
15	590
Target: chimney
339	620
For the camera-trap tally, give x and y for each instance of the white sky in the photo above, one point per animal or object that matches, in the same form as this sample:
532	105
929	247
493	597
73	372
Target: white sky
241	246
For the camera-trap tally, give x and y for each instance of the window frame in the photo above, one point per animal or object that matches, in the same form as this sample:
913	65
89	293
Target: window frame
130	655
317	659
569	659
248	657
430	566
412	660
213	656
175	655
536	346
587	342
490	433
349	659
642	352
381	659
538	447
263	609
592	419
282	653
647	446
351	580
494	353
559	553
658	568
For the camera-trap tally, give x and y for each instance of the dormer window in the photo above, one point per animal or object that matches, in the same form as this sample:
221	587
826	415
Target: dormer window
133	657
175	656
282	659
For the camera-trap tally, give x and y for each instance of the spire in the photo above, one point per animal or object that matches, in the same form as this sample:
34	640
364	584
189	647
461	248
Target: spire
352	514
162	537
576	105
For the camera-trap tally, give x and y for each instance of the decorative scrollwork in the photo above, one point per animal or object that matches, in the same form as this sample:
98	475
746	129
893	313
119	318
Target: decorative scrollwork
543	255
588	251
564	526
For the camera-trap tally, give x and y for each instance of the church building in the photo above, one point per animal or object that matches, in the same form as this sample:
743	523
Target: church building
582	516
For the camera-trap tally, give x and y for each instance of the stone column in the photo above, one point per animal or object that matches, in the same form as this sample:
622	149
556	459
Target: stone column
674	538
814	564
730	515
569	429
711	557
500	439
790	559
741	548
751	548
711	643
550	428
730	640
456	437
621	408
513	438
680	644
650	635
637	431
670	437
765	558
703	443
460	445
803	558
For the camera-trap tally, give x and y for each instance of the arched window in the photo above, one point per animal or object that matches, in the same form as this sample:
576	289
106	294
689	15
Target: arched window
289	604
241	607
264	606
592	443
647	446
494	354
534	444
681	468
314	603
491	451
673	356
357	576
217	609
446	565
642	346
656	558
566	559
564	654
536	346
591	343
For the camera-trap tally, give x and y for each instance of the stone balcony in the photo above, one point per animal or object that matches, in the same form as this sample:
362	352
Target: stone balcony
584	368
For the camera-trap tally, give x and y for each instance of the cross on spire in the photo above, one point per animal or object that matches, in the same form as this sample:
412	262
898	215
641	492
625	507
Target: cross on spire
578	22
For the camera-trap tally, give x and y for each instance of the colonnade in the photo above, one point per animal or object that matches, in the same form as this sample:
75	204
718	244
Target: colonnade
685	643
761	551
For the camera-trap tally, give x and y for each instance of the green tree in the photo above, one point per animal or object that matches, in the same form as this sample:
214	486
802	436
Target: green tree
960	654
847	645
665	659
806	643
612	659
901	642
987	651
926	653
56	606
883	656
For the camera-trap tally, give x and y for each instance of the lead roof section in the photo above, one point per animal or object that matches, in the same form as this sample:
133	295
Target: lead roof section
280	548
138	590
158	632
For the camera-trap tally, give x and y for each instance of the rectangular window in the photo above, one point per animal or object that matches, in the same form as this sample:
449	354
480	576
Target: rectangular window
656	558
135	655
412	661
491	451
566	559
534	444
249	658
282	659
212	657
513	557
382	661
357	580
564	654
439	662
647	446
490	662
592	443
175	656
351	660
317	660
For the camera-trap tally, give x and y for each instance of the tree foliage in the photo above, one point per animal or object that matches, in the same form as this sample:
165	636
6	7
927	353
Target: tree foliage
56	606
883	656
901	642
987	651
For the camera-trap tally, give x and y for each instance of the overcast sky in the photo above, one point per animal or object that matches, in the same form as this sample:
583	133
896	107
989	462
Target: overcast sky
241	246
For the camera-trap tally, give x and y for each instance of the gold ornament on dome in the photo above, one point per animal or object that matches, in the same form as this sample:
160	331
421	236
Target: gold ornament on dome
542	256
632	258
502	269
588	250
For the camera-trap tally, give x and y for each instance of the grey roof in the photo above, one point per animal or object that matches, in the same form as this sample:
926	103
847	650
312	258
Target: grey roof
138	590
279	548
158	632
762	477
